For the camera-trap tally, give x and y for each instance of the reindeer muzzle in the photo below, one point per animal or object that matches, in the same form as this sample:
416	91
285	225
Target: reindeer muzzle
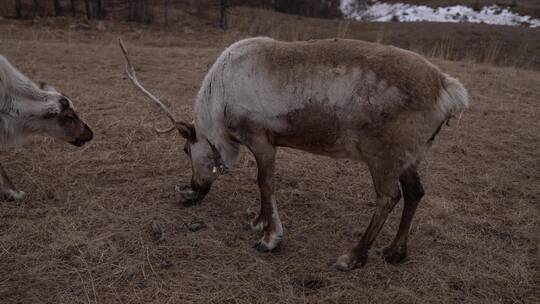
84	138
192	195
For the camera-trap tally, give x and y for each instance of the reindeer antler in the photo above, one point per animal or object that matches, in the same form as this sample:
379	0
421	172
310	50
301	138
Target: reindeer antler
132	76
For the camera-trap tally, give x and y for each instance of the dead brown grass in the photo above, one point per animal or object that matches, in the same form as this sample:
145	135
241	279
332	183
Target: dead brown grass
87	232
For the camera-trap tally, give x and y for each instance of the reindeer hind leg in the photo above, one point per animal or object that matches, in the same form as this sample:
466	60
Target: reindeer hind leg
412	194
388	195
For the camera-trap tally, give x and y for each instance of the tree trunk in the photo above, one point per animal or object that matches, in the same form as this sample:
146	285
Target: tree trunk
100	8
148	13
73	9
130	10
57	8
103	9
18	9
36	8
94	8
223	20
166	13
88	9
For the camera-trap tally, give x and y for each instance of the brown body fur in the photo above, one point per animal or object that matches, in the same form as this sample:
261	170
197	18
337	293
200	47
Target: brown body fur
321	125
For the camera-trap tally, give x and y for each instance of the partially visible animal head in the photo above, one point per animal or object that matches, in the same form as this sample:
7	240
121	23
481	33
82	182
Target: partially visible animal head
206	166
206	162
59	119
28	108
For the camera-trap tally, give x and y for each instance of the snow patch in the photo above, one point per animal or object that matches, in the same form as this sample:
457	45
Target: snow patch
385	12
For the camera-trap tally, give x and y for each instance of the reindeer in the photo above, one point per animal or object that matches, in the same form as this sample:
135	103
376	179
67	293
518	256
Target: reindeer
340	98
27	108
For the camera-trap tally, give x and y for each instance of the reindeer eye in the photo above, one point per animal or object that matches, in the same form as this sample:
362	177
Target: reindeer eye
69	119
49	115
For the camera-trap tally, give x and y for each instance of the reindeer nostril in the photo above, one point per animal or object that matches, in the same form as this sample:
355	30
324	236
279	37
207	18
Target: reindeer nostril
88	134
64	102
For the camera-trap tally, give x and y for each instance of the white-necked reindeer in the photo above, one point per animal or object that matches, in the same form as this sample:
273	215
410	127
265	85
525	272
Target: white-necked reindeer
27	108
340	98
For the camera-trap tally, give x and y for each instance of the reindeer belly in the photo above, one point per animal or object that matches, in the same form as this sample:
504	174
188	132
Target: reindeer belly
320	129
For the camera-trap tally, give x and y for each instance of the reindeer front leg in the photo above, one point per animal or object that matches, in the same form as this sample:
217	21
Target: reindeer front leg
7	190
268	219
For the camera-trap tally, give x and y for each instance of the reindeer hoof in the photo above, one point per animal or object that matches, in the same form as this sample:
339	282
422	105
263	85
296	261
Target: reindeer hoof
188	197
344	263
348	262
12	195
189	203
261	247
249	226
394	256
253	221
256	225
268	243
19	195
250	214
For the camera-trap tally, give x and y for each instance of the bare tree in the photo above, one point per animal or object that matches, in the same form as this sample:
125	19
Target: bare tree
18	9
73	8
94	7
140	11
36	7
99	9
223	14
166	12
88	9
57	8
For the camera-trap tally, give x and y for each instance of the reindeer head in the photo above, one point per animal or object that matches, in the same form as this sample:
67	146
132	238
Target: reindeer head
59	120
206	162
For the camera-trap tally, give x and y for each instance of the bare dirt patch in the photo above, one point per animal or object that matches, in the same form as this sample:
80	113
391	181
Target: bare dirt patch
102	223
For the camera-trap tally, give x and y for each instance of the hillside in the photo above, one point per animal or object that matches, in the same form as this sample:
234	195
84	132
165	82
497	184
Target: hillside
86	233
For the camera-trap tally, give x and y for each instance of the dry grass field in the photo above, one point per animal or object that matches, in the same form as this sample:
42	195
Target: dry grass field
102	223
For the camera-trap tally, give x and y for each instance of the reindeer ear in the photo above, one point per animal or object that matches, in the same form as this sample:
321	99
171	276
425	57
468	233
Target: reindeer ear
46	87
187	130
